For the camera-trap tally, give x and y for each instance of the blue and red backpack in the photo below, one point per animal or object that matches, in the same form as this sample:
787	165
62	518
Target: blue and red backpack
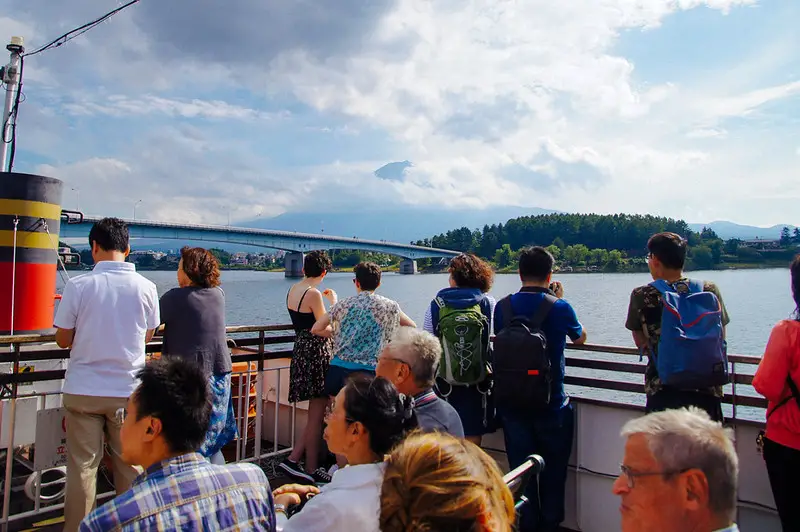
692	352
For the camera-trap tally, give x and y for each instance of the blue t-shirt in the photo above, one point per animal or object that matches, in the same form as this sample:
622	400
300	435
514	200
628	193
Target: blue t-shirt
561	322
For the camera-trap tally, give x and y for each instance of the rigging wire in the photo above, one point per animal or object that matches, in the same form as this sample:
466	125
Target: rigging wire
80	30
20	97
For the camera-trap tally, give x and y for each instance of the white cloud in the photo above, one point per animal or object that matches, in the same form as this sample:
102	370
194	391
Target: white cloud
124	106
707	133
547	64
744	104
522	103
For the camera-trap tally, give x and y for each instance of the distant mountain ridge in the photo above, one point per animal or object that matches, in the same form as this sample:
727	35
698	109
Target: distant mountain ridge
395	225
727	230
415	223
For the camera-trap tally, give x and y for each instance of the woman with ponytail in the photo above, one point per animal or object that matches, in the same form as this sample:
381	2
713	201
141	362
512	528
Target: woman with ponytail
366	420
436	482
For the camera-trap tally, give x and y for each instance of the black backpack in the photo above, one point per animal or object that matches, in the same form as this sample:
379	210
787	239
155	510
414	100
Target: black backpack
521	365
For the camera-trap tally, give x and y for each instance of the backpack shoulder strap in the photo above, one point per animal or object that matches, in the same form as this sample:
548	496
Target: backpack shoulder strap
795	395
793	387
436	306
543	310
486	308
508	311
662	286
696	286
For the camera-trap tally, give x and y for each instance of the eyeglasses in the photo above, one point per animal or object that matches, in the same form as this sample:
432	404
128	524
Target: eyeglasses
331	409
630	474
120	415
398	360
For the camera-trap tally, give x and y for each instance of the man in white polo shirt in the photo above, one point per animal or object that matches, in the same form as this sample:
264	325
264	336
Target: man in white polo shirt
106	317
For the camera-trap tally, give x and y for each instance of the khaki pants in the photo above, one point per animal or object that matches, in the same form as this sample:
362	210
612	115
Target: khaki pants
90	421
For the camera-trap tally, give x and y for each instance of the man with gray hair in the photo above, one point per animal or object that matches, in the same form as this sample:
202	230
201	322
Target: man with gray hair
679	474
410	362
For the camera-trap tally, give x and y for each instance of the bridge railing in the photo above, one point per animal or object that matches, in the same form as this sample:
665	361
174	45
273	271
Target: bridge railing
273	232
596	374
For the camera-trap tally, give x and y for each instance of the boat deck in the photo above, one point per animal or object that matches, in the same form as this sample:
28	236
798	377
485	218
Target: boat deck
605	383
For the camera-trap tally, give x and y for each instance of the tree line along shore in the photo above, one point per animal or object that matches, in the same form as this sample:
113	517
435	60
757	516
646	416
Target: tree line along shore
579	243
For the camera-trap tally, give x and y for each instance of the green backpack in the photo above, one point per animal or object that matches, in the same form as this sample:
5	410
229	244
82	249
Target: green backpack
465	357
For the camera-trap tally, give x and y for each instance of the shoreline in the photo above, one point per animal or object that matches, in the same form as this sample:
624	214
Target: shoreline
507	270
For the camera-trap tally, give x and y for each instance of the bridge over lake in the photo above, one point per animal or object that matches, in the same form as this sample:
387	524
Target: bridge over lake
295	244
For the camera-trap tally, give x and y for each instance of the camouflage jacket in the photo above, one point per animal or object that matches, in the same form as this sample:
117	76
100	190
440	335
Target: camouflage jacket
645	311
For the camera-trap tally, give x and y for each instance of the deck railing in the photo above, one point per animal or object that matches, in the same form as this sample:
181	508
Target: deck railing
257	350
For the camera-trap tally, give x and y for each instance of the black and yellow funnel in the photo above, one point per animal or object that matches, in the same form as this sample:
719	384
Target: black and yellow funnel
30	219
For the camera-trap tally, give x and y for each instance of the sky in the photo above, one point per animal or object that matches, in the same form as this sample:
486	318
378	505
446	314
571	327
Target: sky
199	110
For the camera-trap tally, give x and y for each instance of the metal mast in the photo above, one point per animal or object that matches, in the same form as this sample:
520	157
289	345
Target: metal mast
10	76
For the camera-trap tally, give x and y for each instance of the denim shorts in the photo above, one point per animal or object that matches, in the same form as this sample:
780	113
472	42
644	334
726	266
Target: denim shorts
337	376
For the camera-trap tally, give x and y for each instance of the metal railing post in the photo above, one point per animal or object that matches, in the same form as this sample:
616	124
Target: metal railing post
277	411
239	417
10	449
38	493
259	393
733	389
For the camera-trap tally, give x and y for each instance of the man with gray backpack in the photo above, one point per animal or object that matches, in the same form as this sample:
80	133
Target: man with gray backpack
531	329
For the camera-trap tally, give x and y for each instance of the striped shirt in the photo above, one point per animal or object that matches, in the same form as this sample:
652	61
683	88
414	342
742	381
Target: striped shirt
187	493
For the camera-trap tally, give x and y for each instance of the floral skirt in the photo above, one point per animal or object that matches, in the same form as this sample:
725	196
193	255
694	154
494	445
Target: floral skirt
310	359
222	427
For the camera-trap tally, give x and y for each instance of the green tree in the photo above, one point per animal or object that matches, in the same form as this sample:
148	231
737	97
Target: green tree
614	260
559	242
223	256
708	234
146	261
796	236
786	236
489	244
576	254
748	253
503	256
716	246
732	246
555	251
702	258
598	257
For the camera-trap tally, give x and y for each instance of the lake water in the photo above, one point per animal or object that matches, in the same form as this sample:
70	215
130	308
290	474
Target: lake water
755	299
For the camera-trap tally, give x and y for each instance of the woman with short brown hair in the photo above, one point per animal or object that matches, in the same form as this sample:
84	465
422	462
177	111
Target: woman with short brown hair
194	328
470	281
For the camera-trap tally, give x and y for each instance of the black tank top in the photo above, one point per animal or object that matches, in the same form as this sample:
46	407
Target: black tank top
302	321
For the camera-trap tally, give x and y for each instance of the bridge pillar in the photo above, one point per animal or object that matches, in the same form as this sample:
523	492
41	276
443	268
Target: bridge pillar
408	267
293	263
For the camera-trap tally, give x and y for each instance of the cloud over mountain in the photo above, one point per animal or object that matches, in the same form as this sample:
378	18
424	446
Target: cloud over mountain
206	109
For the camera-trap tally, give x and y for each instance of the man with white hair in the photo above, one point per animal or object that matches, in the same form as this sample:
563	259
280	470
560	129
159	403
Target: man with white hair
410	362
679	474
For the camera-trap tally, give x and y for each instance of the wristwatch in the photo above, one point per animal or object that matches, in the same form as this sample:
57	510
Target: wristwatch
280	508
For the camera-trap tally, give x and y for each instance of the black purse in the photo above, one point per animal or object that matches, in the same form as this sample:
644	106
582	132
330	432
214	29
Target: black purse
795	395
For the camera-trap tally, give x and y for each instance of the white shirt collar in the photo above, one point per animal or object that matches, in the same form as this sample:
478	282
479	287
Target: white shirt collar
358	475
110	265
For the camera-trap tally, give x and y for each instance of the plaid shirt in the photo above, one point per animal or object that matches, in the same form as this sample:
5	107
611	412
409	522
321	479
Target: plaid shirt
187	493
